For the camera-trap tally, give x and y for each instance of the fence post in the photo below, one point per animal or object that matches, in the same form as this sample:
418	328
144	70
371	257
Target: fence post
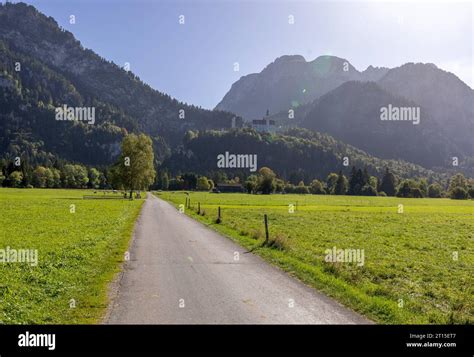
199	207
219	220
265	218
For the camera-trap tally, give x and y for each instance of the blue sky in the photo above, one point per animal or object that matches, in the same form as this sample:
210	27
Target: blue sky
194	62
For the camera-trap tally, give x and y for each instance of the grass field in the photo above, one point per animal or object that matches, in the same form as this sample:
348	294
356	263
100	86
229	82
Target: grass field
78	254
419	264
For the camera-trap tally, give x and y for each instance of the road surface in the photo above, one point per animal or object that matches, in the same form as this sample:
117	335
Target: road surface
181	272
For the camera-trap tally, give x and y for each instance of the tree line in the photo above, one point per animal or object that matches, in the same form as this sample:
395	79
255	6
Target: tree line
135	170
360	183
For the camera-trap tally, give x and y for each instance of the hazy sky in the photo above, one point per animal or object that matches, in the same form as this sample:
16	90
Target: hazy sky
194	62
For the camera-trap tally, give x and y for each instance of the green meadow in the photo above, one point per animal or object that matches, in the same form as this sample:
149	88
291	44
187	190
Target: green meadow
418	258
78	254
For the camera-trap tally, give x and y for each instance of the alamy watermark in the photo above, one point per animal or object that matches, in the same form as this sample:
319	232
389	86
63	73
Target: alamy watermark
393	113
237	161
10	255
76	113
335	255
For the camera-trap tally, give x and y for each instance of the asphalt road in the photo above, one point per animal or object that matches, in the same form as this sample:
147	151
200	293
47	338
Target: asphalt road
181	272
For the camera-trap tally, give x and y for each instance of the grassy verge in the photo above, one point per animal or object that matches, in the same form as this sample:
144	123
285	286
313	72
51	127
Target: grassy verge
419	264
78	254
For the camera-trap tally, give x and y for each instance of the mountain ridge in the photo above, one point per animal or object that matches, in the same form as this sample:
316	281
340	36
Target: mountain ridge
87	78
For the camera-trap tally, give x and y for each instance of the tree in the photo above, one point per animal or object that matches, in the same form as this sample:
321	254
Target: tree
358	180
39	178
301	188
389	183
404	190
416	193
27	173
15	178
317	188
341	185
458	193
114	177
202	184
365	177
251	183
331	181
470	191
374	182
176	184
49	178
75	176
409	188
368	190
279	185
94	178
266	182
434	190
103	180
165	181
354	186
457	180
68	177
136	167
189	181
219	177
423	186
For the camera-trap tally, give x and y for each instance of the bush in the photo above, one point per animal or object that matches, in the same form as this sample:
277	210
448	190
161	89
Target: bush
317	188
15	179
471	192
203	184
434	190
416	193
368	190
459	193
302	189
382	194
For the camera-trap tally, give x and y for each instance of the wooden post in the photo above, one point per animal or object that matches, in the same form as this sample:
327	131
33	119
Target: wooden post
199	207
189	202
265	217
219	215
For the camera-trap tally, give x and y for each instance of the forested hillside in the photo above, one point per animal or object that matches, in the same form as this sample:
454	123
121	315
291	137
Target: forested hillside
43	67
295	155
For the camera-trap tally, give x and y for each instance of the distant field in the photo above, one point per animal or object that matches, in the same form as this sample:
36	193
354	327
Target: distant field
78	254
410	274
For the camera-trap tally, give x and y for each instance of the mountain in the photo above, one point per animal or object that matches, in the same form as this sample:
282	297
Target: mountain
445	98
43	67
286	83
352	113
289	82
347	105
373	74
